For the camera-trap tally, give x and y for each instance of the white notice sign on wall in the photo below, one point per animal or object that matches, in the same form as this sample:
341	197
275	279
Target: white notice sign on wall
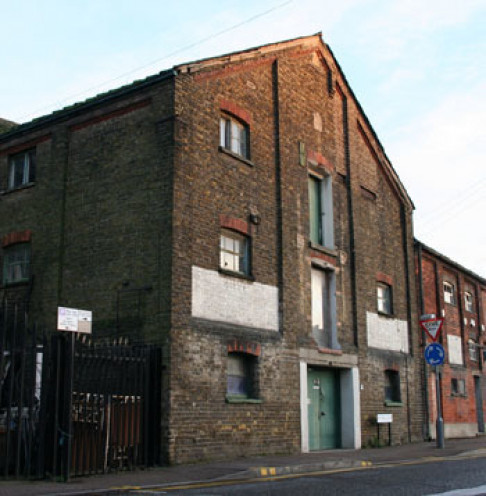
74	320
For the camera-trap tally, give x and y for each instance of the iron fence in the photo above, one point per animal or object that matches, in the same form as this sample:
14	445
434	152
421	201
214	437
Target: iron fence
74	406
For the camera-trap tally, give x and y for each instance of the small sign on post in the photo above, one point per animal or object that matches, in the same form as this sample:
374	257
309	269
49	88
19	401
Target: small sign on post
74	320
385	418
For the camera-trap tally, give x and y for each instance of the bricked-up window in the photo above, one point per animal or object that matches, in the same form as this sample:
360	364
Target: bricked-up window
234	136
21	169
468	301
449	293
392	386
16	263
234	252
321	230
458	387
242	376
384	298
323	308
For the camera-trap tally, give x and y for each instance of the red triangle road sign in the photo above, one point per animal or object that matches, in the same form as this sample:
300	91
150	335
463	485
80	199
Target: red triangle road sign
432	327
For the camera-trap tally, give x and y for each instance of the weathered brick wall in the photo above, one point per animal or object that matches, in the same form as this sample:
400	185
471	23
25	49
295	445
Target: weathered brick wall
210	183
459	411
132	194
99	212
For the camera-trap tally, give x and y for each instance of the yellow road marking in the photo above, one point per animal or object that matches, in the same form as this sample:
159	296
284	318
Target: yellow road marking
365	465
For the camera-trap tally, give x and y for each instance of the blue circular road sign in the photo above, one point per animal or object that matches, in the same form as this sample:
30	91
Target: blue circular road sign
434	354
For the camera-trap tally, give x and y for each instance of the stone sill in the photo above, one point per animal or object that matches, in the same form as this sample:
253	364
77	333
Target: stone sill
16	284
332	252
330	351
236	156
242	399
18	188
393	403
239	275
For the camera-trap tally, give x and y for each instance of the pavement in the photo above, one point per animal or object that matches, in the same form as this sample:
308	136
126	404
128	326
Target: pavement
135	482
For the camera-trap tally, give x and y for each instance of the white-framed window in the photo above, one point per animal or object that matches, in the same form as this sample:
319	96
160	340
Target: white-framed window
234	136
321	221
16	263
242	376
458	387
449	293
384	298
468	301
234	249
21	169
473	350
392	386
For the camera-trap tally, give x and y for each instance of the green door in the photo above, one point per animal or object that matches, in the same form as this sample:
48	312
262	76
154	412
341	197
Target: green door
323	409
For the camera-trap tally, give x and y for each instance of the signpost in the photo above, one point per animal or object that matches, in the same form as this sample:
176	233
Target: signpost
385	418
434	356
71	320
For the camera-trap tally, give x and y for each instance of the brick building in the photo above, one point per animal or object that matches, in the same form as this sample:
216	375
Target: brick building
241	212
457	295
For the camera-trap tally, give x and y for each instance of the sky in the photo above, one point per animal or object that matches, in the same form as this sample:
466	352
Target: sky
417	67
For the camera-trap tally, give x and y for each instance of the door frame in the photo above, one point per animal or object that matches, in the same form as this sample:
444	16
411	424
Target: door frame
350	406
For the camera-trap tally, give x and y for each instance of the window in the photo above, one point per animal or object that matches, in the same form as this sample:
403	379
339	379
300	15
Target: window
392	386
16	263
458	387
234	136
234	252
321	211
473	350
323	300
21	169
468	302
242	378
384	298
449	293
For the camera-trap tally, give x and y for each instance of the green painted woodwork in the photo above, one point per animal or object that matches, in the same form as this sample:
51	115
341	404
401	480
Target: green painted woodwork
323	409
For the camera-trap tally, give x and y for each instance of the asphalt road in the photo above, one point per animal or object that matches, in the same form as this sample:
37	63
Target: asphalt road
468	475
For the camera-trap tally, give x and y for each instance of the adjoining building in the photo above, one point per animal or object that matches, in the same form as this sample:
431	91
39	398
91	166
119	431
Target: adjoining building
241	212
457	295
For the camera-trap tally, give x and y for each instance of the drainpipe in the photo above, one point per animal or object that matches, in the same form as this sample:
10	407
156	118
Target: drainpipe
278	193
409	310
422	312
352	248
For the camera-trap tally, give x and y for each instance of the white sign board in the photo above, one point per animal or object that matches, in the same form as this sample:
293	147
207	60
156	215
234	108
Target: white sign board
74	320
384	418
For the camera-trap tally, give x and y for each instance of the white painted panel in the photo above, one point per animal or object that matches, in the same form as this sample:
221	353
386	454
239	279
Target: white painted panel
317	288
350	409
231	300
387	334
455	349
304	419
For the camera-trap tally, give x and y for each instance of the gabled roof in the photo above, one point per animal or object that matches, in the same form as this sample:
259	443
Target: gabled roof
302	43
305	42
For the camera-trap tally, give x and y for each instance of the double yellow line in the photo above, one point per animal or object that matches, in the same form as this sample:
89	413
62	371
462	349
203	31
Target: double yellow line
268	474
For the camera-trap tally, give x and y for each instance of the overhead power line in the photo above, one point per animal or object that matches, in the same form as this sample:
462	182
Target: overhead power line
160	59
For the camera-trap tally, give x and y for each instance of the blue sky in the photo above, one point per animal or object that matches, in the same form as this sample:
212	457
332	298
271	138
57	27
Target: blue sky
417	67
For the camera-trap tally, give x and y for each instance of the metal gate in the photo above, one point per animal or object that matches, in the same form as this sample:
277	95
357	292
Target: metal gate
71	406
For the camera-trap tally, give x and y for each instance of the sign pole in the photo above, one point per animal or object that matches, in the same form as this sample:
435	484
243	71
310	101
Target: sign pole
440	421
434	355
